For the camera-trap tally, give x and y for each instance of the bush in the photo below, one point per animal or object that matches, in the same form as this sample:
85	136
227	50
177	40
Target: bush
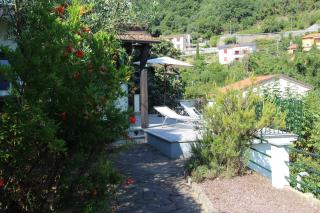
230	125
230	40
62	111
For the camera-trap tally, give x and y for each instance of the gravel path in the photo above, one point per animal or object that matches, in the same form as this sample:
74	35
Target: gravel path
254	193
156	183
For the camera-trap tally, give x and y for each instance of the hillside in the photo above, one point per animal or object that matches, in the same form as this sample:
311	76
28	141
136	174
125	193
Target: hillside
206	18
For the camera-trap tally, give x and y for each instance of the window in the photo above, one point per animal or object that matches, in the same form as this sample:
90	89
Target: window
225	51
236	59
237	52
225	59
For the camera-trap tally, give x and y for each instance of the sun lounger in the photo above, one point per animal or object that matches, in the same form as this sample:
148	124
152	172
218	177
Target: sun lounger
169	113
191	110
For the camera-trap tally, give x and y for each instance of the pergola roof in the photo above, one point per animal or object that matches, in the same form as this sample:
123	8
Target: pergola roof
138	36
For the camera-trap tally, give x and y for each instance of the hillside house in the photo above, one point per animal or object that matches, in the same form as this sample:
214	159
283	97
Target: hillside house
311	40
180	42
281	84
293	48
235	52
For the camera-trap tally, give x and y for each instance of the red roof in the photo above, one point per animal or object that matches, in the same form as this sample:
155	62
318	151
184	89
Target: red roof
293	47
312	35
245	83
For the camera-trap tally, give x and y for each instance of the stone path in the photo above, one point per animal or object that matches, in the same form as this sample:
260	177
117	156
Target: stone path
158	183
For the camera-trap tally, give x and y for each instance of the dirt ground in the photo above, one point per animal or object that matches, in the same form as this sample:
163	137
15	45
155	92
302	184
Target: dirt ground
254	193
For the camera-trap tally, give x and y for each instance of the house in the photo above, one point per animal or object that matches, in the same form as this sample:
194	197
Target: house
293	48
278	83
235	52
311	40
180	42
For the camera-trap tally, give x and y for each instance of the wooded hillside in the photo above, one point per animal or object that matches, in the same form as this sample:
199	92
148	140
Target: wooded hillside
209	17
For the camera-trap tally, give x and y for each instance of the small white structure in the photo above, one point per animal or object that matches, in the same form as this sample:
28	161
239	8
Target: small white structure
277	84
180	42
235	52
270	156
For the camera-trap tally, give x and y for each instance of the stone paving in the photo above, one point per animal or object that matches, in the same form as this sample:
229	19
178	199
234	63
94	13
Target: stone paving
158	183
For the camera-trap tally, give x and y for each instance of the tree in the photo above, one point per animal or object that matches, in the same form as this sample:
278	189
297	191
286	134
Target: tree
61	113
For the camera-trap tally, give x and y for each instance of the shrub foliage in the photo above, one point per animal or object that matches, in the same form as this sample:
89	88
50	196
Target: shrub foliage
61	112
230	126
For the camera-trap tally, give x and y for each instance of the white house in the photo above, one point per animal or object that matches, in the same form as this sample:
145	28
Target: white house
281	84
180	42
235	52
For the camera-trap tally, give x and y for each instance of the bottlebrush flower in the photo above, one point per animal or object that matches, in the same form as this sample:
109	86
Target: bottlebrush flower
69	48
2	183
79	53
130	181
94	192
61	9
132	120
63	116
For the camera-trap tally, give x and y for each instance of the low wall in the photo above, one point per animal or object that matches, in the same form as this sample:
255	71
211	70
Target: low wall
269	157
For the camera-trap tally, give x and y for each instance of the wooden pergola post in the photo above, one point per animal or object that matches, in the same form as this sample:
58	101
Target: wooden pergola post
144	99
145	49
138	36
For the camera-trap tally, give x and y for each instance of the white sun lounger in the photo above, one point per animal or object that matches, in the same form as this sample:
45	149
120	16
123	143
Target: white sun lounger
169	113
191	110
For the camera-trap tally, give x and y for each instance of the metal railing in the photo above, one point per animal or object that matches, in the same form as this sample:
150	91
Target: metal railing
305	171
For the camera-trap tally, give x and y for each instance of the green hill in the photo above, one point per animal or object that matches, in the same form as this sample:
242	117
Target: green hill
210	17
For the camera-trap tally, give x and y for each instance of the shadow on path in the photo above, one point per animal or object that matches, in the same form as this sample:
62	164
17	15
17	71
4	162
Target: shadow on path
159	184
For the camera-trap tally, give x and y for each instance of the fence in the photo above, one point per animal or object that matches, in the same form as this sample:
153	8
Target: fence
293	108
305	171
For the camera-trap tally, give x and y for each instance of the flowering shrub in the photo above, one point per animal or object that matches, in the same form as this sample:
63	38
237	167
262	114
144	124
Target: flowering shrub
61	113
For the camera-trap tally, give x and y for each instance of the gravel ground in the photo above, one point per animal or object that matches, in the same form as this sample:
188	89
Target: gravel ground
254	193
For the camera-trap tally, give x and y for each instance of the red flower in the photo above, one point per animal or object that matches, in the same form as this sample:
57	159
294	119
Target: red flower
94	192
63	116
77	75
60	10
79	53
69	48
2	183
130	181
132	120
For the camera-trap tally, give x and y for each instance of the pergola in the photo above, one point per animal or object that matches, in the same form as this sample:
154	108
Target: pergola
139	39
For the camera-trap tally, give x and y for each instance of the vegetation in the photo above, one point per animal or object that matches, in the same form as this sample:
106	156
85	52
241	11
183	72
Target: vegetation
205	18
230	124
62	112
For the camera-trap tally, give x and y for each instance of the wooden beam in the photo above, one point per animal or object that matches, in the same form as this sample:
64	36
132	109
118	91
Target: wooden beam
145	49
144	98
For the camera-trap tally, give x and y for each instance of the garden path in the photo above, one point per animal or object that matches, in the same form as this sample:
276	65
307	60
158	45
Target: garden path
156	183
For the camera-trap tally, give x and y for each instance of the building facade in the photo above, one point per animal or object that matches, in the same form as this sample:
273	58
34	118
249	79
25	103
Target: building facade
311	40
180	42
235	52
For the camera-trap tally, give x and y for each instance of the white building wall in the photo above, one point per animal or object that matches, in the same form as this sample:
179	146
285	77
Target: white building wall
285	87
181	42
234	53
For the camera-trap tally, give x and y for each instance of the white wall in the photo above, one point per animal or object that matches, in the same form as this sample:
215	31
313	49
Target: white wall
285	87
271	158
231	56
